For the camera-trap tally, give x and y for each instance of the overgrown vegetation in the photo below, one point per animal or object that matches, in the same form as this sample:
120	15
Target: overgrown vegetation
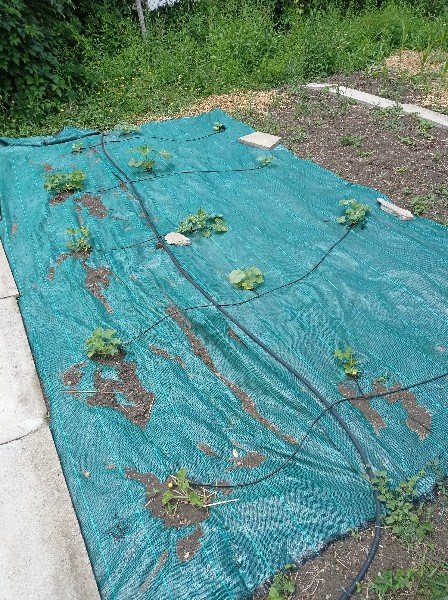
204	223
282	586
103	343
246	279
147	158
355	213
80	240
89	65
180	491
65	182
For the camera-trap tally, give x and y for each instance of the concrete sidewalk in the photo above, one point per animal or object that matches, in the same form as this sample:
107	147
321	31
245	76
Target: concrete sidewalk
42	552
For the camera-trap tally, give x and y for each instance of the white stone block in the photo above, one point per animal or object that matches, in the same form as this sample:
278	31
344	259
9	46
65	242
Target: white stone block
263	141
401	213
177	239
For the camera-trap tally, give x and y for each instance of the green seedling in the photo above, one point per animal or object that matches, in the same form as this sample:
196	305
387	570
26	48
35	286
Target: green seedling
65	182
204	223
424	126
406	140
126	129
147	158
218	127
80	241
77	148
247	279
265	160
420	204
103	343
180	491
355	213
348	360
282	586
350	139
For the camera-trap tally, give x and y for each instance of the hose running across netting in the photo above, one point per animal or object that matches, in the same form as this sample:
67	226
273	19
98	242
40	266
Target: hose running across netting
240	388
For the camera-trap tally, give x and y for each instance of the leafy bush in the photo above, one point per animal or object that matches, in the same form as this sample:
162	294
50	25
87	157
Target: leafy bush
147	159
65	182
247	279
204	223
355	213
79	240
103	343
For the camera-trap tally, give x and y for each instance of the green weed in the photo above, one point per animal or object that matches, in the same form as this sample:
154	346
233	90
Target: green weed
180	491
282	586
351	139
246	279
420	204
204	223
103	343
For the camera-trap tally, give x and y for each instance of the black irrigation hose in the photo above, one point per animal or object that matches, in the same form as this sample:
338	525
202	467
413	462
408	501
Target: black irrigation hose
52	141
363	456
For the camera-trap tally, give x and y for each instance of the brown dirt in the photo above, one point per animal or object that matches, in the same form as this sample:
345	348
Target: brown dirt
206	449
185	514
324	577
73	375
250	461
418	418
232	334
94	205
386	150
167	355
97	279
203	354
129	385
60	198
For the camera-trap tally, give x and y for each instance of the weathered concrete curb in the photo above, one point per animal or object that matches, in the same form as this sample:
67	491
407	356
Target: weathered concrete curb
7	284
22	405
42	554
372	100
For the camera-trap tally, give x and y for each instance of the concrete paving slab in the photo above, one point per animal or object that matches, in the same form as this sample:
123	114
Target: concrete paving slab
42	552
22	405
401	213
257	139
7	284
372	100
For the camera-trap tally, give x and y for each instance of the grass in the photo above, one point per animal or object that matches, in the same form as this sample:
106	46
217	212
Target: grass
219	46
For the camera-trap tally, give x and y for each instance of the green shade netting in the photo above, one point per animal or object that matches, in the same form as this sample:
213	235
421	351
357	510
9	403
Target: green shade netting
207	397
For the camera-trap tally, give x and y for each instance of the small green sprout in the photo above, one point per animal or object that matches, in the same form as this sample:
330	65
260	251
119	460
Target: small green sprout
355	213
180	490
204	223
79	240
247	279
65	182
265	160
348	361
103	343
218	127
126	129
147	158
351	139
77	148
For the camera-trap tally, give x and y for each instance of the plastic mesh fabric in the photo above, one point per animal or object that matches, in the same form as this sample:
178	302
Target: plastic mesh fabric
383	291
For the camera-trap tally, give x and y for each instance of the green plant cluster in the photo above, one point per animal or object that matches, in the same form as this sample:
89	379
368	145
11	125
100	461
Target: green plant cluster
147	159
218	127
204	223
355	213
65	182
103	343
348	360
180	490
247	279
282	586
406	519
80	240
265	160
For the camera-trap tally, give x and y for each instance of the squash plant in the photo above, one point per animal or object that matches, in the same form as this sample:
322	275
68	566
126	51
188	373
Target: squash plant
103	343
180	490
348	360
65	182
204	223
247	279
80	240
355	213
147	158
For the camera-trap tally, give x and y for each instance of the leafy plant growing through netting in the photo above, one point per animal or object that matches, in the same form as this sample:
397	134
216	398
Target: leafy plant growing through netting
355	213
406	519
103	343
246	279
180	490
126	128
348	360
264	160
282	586
147	158
65	182
77	148
218	127
80	240
204	223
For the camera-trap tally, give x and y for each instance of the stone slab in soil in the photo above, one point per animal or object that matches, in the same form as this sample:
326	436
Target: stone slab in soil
263	141
42	553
